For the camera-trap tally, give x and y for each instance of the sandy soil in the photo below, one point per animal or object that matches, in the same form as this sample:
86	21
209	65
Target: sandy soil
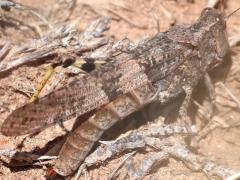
134	19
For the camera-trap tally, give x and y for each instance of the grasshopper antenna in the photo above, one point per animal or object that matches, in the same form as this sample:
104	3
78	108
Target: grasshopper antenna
228	16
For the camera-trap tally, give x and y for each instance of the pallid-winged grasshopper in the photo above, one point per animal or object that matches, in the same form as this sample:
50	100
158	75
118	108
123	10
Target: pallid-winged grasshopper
162	68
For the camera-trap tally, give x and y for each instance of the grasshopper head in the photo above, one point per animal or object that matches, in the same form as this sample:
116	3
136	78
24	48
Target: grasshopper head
215	22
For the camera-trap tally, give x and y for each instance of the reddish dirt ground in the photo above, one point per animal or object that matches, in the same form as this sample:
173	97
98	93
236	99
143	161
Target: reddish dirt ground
134	19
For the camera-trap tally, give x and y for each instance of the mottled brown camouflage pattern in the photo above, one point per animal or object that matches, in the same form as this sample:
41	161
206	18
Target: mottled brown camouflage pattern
163	65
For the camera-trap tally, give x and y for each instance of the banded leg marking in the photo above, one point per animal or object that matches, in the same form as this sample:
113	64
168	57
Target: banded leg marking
82	139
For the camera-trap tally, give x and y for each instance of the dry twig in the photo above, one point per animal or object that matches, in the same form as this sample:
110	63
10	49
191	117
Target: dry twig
63	40
217	4
147	165
234	98
234	40
112	175
162	139
23	156
234	177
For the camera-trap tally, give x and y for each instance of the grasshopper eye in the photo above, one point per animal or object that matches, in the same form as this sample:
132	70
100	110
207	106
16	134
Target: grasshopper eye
207	9
217	19
205	12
